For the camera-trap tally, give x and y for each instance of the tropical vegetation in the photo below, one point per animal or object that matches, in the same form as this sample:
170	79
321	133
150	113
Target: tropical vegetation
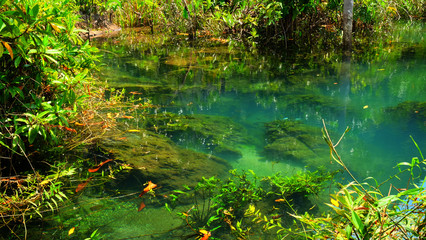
49	107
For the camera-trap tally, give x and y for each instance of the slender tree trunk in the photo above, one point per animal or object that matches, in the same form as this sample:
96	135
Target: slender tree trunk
347	26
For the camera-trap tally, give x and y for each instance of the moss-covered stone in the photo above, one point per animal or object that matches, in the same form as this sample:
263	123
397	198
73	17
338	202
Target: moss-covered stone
409	110
217	135
293	140
157	158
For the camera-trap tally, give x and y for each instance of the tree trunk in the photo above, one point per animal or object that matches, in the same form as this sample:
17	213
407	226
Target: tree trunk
347	26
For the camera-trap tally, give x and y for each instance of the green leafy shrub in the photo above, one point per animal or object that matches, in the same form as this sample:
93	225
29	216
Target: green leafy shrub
43	65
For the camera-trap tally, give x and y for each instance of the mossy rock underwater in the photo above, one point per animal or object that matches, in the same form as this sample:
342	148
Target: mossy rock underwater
216	135
409	112
295	141
157	158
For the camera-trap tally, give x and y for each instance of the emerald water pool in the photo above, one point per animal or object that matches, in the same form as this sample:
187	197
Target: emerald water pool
381	99
248	111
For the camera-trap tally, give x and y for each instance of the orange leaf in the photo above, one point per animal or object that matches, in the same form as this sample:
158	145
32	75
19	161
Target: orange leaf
82	185
7	46
142	206
149	187
100	165
55	27
70	129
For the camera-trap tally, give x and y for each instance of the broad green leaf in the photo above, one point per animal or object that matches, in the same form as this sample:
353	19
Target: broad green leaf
17	61
356	220
34	11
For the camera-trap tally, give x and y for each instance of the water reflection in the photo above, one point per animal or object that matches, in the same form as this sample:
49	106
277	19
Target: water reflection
254	90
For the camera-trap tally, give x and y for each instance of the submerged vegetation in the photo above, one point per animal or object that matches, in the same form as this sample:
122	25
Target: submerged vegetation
72	148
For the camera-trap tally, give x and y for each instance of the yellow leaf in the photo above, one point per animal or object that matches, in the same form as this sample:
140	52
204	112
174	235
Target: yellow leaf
334	202
133	130
71	231
365	107
55	28
44	182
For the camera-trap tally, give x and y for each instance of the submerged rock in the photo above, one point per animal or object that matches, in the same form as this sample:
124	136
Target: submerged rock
293	140
409	112
217	135
158	159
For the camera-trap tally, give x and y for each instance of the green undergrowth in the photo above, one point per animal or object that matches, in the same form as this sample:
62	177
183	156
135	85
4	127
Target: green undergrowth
278	207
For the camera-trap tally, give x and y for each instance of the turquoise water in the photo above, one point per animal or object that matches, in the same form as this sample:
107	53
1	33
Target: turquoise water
381	99
253	89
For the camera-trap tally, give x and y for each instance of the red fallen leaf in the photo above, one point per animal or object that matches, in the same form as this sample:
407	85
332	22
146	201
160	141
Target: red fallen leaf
82	185
149	187
142	206
99	166
70	129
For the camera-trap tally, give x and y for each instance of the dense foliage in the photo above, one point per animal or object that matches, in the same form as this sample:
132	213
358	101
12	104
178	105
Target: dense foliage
256	22
43	66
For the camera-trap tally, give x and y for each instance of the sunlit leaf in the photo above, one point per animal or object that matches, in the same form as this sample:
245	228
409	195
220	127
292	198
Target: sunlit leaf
9	49
71	231
334	202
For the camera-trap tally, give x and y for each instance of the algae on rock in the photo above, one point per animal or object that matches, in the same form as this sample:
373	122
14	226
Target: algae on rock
158	159
217	135
293	140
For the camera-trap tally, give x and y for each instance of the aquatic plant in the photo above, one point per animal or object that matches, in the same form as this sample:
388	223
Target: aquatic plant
224	204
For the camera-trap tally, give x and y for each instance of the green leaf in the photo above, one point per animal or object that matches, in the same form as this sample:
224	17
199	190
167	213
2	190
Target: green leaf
17	61
185	13
357	222
32	133
348	230
413	191
386	200
50	58
167	207
2	25
34	11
